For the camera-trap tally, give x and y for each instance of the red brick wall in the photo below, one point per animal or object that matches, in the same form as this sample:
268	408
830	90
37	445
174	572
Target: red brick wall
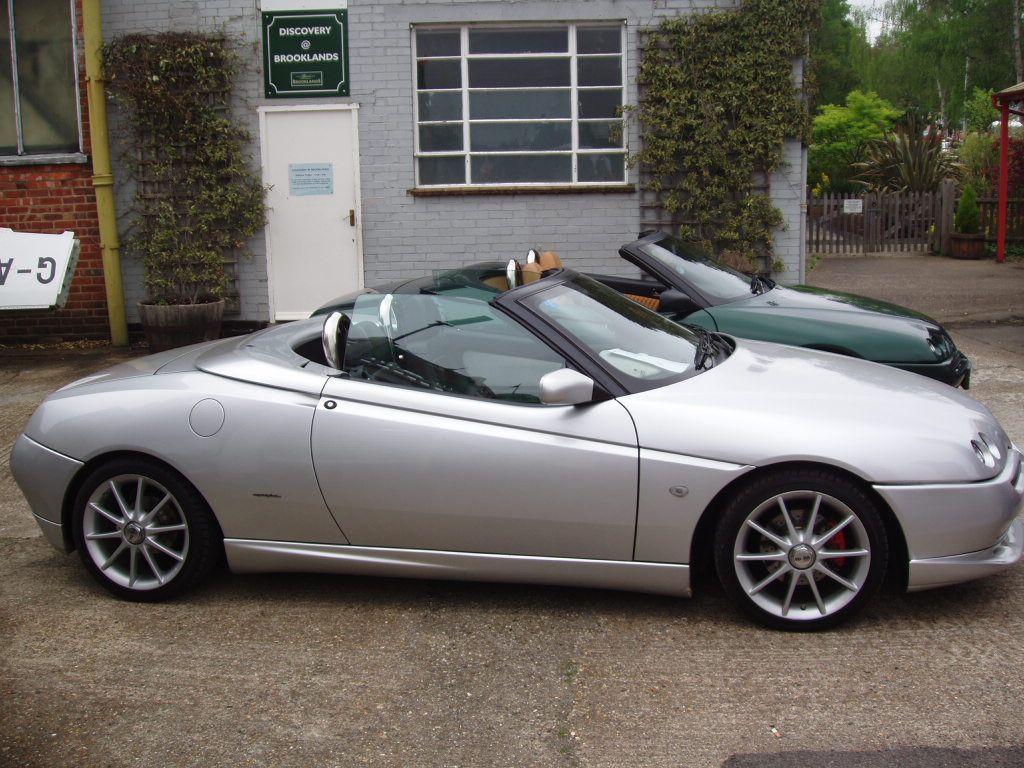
52	199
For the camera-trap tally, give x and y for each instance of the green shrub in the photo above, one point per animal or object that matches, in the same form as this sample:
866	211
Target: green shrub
968	216
197	201
979	158
717	102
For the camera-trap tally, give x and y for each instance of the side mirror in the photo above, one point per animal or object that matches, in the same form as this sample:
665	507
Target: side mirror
566	387
675	301
333	338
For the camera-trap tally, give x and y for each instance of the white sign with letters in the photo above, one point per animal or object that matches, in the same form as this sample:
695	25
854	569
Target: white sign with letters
853	206
35	270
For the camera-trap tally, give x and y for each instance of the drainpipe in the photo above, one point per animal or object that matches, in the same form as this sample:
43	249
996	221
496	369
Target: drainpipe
102	178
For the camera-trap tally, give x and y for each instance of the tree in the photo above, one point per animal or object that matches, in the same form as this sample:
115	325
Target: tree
935	52
833	46
841	136
979	112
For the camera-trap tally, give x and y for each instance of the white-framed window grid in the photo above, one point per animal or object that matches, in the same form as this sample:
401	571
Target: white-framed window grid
614	148
13	103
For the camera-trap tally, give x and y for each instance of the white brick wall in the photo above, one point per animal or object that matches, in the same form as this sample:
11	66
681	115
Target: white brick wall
402	234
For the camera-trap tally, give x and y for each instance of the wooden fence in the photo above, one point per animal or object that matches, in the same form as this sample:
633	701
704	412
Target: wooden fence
906	221
872	222
1014	219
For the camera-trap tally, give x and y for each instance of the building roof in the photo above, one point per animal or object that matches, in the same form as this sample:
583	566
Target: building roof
1011	94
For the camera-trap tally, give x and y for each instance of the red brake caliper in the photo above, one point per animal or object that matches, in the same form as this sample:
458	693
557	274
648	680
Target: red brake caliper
839	542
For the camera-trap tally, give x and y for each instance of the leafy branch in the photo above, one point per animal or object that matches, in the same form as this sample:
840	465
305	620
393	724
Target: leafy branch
718	101
197	200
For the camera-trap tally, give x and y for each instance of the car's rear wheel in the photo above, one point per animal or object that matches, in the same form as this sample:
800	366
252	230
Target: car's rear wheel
143	531
801	549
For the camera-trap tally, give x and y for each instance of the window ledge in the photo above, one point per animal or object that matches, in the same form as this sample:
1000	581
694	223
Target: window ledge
540	189
64	158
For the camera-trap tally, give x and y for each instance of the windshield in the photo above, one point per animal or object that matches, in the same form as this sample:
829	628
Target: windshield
642	346
700	269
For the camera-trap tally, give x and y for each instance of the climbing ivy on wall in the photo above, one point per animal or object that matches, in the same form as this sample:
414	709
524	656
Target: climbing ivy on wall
197	199
717	101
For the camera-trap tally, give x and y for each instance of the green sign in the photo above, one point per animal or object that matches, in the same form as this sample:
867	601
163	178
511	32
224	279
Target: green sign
305	53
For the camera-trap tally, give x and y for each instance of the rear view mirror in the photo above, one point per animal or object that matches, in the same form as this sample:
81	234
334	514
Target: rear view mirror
566	387
677	302
333	338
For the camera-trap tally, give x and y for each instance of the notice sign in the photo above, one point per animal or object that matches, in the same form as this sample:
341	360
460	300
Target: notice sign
35	270
853	206
305	53
310	179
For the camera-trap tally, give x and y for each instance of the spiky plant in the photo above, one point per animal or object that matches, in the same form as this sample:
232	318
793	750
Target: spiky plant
907	160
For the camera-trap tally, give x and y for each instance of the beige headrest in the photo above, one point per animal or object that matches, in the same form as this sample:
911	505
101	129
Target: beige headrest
549	260
531	272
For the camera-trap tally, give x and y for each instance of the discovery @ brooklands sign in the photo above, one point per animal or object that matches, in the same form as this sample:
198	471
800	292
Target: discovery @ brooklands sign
305	53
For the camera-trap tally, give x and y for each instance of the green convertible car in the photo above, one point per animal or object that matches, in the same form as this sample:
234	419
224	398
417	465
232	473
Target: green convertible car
691	287
687	284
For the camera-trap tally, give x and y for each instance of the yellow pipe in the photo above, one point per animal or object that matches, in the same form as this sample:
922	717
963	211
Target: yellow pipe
102	178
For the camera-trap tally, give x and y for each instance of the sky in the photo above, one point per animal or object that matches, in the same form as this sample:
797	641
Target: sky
874	10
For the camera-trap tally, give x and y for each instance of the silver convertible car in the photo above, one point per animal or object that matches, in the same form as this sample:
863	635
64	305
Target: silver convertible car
497	423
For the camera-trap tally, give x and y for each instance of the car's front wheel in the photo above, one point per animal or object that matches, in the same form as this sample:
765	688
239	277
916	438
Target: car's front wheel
142	531
801	549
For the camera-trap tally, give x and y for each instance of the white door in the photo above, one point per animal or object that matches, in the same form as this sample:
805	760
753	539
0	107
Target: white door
311	163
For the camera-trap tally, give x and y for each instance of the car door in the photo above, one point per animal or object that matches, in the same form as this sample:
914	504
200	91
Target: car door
434	438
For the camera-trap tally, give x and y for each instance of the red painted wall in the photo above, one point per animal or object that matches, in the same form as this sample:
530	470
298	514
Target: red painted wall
52	199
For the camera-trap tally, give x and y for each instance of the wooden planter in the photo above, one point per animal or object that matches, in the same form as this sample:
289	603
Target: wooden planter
174	325
967	246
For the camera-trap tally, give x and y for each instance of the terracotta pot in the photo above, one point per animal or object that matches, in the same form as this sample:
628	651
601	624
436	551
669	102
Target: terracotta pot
174	325
967	246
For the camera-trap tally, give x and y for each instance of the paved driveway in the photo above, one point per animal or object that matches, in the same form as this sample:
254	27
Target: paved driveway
953	292
328	671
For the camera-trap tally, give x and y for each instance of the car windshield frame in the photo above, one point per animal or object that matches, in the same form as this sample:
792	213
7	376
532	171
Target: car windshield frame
693	265
633	322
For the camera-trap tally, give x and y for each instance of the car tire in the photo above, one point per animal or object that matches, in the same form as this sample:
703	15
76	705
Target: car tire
801	549
143	531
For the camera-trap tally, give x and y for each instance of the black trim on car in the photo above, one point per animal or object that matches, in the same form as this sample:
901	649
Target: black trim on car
509	302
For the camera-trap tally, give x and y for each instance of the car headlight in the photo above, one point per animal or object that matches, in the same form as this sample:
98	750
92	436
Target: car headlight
987	450
939	343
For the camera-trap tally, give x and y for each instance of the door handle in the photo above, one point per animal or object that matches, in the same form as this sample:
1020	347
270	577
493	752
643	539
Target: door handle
351	217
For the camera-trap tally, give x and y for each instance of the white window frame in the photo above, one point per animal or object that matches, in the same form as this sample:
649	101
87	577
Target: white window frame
21	156
574	120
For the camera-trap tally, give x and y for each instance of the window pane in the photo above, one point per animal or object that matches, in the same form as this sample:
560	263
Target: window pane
545	40
601	167
511	137
502	73
438	43
595	104
521	105
8	129
601	135
46	75
440	106
447	344
599	40
435	74
603	71
488	169
440	138
442	170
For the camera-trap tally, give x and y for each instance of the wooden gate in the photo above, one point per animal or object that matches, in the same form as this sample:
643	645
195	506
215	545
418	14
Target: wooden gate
874	222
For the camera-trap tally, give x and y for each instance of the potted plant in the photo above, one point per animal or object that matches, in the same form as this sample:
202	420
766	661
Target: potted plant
967	241
197	201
